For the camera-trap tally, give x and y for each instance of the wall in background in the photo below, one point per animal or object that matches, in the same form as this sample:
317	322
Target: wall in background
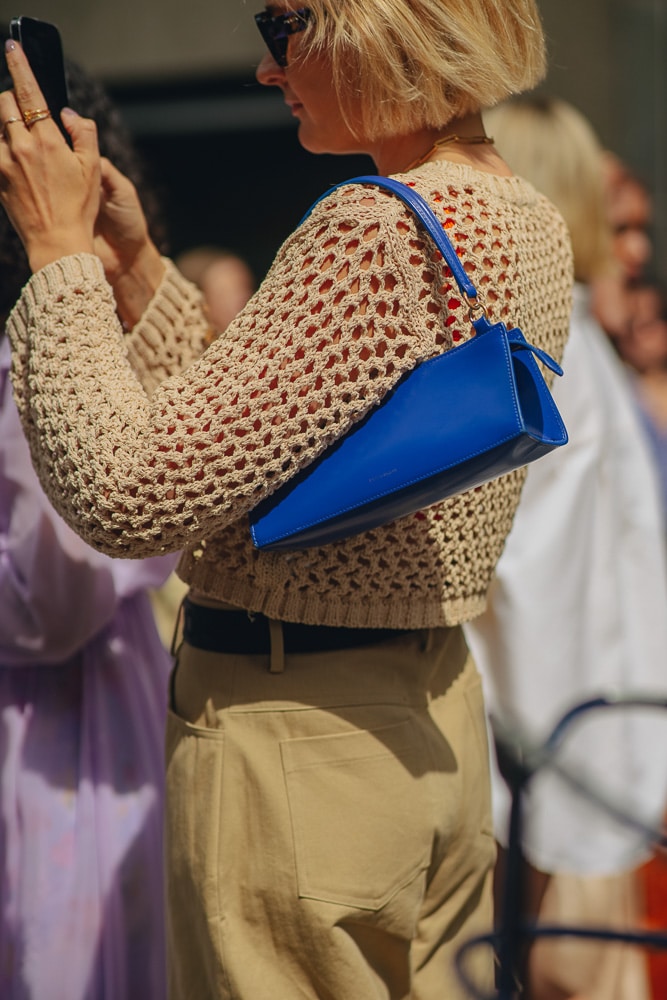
607	57
125	40
183	74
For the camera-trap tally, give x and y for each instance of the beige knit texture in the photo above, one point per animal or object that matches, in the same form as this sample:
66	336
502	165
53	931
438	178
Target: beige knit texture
144	446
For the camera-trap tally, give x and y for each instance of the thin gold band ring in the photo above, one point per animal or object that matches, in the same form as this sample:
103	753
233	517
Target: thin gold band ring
10	121
35	115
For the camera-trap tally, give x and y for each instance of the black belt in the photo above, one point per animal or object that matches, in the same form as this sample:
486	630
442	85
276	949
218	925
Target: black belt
221	631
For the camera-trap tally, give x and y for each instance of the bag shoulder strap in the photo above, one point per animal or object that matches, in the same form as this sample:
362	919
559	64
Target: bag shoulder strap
434	228
425	215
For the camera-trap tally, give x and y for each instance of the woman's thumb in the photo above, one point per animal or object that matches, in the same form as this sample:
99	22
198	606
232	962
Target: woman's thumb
82	131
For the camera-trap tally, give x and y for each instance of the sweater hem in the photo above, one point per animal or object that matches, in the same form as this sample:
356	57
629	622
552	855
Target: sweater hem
350	612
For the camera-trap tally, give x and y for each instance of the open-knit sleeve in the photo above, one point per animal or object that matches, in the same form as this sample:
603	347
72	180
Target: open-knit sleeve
337	321
173	332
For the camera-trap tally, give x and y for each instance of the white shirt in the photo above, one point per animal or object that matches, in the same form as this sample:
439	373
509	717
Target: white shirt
578	609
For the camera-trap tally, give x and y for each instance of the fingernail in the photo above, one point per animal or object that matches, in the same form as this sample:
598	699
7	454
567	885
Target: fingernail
69	112
10	45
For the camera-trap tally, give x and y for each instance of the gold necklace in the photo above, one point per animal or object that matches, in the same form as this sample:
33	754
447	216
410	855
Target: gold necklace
446	140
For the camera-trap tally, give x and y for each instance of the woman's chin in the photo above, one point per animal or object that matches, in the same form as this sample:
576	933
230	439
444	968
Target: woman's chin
317	144
311	142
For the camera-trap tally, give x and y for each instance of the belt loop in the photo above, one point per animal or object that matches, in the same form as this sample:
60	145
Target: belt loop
427	641
177	635
277	661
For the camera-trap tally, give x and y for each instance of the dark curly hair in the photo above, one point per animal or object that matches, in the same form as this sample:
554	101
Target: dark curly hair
89	98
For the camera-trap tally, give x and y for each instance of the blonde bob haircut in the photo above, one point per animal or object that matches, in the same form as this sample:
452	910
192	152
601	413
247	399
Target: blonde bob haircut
419	63
552	145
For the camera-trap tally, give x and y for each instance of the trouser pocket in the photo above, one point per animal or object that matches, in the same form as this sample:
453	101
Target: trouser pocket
360	823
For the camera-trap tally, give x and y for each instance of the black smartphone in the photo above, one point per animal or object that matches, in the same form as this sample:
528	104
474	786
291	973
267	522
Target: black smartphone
41	43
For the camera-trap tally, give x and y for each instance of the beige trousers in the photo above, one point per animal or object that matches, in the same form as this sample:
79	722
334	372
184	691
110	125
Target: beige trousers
328	824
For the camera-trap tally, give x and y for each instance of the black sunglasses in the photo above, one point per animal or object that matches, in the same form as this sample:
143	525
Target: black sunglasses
275	29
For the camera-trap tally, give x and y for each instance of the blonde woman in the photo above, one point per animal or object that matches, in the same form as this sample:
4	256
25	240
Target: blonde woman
577	606
329	830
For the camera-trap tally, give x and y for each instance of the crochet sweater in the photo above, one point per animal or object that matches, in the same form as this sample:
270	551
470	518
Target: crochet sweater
152	442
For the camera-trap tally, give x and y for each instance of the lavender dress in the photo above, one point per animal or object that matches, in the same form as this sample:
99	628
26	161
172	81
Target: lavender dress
83	686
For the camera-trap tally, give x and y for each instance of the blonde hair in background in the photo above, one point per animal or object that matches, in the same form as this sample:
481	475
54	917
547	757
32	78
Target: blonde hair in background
420	63
551	144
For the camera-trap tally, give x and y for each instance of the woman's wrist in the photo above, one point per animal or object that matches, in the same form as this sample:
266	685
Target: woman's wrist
53	249
134	287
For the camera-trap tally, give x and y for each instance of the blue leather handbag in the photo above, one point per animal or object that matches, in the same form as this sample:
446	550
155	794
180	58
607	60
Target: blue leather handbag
454	422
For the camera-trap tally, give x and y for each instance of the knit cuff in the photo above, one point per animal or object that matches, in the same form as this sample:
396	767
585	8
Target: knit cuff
174	298
52	280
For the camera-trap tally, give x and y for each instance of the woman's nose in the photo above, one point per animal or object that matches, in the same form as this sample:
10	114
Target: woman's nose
269	72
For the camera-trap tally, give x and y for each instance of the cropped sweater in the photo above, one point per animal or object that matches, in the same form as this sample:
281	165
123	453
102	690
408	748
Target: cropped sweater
152	441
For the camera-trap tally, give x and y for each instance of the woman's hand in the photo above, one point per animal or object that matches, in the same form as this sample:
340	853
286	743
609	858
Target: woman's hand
120	231
50	192
132	263
64	201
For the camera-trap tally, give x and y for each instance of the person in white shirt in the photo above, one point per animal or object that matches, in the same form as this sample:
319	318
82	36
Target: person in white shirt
578	605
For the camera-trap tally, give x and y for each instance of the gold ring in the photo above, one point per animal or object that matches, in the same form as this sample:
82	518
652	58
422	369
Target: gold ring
35	115
10	121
